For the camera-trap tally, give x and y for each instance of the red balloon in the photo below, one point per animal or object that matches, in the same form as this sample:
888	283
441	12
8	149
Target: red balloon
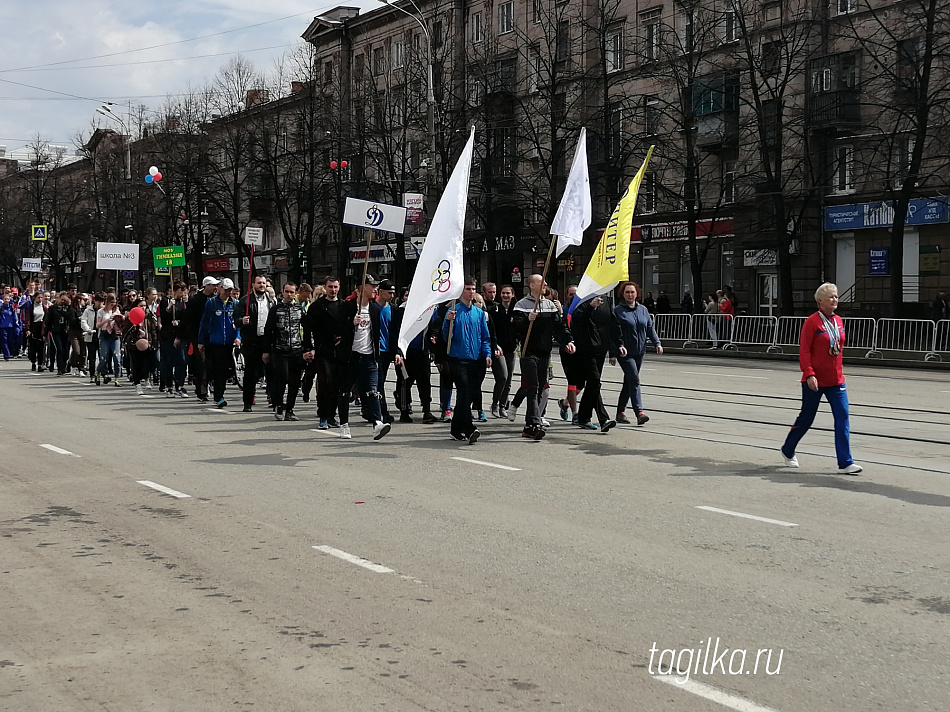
137	316
158	176
332	165
343	164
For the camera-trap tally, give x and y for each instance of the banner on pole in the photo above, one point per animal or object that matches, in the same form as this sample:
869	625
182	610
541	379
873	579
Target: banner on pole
169	256
254	236
374	216
117	255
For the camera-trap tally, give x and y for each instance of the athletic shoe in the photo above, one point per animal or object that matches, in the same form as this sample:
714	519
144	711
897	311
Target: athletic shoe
428	418
790	461
494	411
545	422
247	409
169	394
33	367
851	469
116	382
182	394
333	424
306	397
607	425
289	415
202	399
139	391
533	432
405	418
98	382
587	426
222	403
564	406
388	418
446	416
345	431
574	420
323	425
642	418
473	438
278	413
502	412
481	417
622	418
457	438
148	384
380	429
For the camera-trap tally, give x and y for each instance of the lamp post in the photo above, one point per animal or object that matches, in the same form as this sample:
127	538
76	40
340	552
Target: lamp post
106	111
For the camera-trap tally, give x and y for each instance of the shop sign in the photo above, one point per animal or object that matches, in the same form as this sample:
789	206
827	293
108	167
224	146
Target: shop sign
680	230
929	260
862	216
879	261
759	258
217	264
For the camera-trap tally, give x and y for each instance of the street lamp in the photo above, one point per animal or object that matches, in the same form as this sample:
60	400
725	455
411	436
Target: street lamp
107	112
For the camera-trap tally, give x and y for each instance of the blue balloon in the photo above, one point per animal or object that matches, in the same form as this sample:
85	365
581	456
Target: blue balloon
149	179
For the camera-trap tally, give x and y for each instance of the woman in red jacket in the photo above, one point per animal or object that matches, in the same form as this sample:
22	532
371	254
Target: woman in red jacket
820	346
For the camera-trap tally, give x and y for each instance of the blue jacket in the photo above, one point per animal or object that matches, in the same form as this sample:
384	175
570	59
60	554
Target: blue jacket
217	323
8	316
636	326
470	337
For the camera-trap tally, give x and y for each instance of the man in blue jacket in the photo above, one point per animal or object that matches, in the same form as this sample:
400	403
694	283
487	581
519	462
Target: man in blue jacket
216	337
471	344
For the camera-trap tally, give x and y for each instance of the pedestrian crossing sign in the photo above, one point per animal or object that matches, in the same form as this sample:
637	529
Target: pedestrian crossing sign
39	232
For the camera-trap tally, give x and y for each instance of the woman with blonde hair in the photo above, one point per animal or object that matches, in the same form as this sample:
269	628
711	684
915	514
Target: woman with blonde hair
820	357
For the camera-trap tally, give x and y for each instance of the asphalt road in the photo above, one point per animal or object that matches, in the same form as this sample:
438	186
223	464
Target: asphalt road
469	586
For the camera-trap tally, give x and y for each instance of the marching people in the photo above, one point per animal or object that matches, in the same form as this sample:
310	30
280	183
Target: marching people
499	323
359	345
109	321
416	365
384	300
8	327
90	335
171	314
194	313
548	327
59	320
216	337
636	327
250	320
469	349
287	345
822	363
596	333
141	342
573	376
712	307
325	320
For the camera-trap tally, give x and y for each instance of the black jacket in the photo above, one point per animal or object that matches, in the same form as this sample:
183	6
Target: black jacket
347	314
248	333
166	315
287	331
325	321
193	313
501	319
60	319
549	325
596	330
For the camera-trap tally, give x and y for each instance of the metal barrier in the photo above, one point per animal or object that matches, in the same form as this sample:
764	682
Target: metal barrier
788	333
859	333
941	339
672	327
712	329
752	331
909	335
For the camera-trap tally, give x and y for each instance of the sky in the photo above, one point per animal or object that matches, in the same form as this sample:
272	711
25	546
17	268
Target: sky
61	46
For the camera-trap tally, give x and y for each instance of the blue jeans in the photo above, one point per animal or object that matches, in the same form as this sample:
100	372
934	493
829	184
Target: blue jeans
838	400
362	370
630	365
109	355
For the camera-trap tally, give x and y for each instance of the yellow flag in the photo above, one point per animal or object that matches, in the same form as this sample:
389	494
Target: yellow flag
610	265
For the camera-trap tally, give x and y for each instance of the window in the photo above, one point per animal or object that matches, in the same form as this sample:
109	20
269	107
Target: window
908	60
476	90
506	74
903	155
327	72
843	181
559	109
535	76
771	59
438	35
359	72
821	80
772	121
846	6
728	182
506	17
714	94
732	30
379	60
650	29
502	151
687	30
772	13
399	55
398	99
615	140
563	41
613	51
478	29
651	115
647	196
537	11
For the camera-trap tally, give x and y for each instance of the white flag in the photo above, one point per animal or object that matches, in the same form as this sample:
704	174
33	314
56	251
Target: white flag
439	273
574	213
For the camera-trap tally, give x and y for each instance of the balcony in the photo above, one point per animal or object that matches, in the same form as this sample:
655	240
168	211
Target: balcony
718	130
832	109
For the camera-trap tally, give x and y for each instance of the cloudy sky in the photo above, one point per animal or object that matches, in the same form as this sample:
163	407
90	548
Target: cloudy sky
61	59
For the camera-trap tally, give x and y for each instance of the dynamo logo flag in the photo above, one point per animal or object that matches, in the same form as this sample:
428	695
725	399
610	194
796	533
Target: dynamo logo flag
610	265
439	273
575	212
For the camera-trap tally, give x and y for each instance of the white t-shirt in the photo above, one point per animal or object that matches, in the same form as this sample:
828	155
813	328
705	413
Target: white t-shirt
263	309
363	338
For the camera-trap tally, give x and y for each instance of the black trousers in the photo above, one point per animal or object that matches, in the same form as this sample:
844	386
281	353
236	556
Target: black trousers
590	367
287	370
253	368
534	383
329	384
36	347
218	364
467	376
382	364
199	370
419	372
309	375
61	344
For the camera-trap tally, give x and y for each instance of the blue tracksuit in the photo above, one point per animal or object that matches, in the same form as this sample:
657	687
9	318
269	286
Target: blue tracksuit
217	323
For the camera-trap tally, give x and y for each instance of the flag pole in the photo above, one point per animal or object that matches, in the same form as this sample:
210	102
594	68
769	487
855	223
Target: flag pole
250	272
359	293
448	346
537	303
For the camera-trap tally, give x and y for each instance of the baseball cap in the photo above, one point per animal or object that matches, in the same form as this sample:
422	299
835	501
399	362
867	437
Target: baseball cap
227	283
209	280
387	284
370	279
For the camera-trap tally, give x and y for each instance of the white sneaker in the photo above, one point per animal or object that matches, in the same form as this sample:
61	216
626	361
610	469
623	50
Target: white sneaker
345	431
148	384
851	469
513	413
790	461
139	391
545	423
380	429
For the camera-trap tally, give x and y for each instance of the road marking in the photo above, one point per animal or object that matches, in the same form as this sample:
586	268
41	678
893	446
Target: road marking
725	375
748	516
713	694
325	432
163	489
359	561
218	410
58	450
488	464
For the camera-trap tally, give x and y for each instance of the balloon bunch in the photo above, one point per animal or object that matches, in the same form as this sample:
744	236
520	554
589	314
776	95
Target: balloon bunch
154	175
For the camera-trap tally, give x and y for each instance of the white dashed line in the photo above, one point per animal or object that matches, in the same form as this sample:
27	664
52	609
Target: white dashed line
218	410
58	450
748	516
326	432
713	694
724	375
359	561
163	489
488	464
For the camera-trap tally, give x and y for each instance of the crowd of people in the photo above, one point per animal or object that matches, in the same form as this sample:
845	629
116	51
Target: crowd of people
284	347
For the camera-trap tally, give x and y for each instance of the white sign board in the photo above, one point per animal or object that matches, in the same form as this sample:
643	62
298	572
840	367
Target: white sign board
374	216
32	265
117	255
254	236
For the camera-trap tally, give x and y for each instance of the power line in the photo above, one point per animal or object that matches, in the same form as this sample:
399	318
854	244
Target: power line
153	61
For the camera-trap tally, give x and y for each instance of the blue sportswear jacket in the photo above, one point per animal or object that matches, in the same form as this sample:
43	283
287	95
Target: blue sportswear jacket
470	337
636	326
217	323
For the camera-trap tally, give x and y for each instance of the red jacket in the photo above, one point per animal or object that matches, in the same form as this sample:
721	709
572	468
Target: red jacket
814	352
